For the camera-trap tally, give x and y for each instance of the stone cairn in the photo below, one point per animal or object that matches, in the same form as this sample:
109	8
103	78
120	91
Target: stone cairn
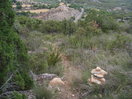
97	76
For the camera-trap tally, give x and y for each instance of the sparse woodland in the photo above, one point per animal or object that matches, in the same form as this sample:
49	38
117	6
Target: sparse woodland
67	49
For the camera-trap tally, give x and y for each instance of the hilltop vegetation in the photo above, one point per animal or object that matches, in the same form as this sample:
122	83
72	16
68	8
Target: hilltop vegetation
103	4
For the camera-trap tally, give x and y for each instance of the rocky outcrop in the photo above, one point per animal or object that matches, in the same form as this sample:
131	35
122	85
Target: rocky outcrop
60	13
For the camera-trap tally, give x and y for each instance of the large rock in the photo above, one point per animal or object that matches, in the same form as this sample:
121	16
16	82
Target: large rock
56	83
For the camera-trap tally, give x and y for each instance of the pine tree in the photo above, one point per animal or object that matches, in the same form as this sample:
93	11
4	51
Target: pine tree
13	54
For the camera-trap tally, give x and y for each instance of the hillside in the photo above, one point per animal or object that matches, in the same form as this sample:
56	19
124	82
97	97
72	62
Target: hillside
60	13
78	50
71	50
102	4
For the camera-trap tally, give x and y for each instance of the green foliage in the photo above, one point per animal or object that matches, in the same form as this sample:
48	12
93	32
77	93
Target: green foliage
43	93
105	41
14	1
29	22
19	80
6	42
103	19
85	76
75	6
53	58
13	53
68	27
22	13
42	6
18	5
119	42
28	82
46	62
17	95
50	27
23	80
39	63
89	29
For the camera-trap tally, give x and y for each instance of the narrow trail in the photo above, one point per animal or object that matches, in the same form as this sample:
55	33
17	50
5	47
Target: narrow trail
80	15
69	75
69	70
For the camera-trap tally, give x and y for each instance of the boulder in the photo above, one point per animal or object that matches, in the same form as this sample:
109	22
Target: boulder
56	83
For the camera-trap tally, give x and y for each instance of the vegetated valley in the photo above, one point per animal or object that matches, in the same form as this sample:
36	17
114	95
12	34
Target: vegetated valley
50	49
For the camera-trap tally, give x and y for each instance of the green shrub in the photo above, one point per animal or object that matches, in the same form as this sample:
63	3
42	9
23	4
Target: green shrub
68	27
89	29
46	62
41	92
104	19
13	53
27	80
50	27
23	80
39	63
53	58
17	95
19	80
30	23
18	5
85	76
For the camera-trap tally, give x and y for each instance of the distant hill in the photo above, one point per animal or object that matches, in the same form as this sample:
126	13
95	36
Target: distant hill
103	4
60	13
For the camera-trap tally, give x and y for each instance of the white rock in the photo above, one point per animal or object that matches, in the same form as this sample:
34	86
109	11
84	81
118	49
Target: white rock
56	83
97	76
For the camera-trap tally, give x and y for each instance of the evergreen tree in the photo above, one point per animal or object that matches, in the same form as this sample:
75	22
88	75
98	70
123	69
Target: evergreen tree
13	54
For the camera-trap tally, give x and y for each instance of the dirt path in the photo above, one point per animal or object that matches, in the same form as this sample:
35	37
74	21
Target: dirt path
69	70
70	74
80	15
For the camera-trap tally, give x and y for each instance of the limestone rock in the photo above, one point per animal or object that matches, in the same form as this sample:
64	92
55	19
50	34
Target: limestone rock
56	83
60	13
97	76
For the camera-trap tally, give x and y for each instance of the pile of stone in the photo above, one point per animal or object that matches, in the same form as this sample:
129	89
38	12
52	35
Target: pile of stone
97	76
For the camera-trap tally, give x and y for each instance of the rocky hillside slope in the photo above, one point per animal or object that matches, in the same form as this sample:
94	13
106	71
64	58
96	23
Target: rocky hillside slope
60	13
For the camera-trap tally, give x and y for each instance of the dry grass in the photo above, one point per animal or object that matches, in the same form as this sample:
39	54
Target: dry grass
79	55
24	5
36	11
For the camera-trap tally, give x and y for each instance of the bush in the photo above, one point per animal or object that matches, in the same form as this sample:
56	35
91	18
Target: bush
50	27
53	58
17	95
13	53
23	80
19	80
119	42
46	62
39	63
41	92
68	27
104	19
19	5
